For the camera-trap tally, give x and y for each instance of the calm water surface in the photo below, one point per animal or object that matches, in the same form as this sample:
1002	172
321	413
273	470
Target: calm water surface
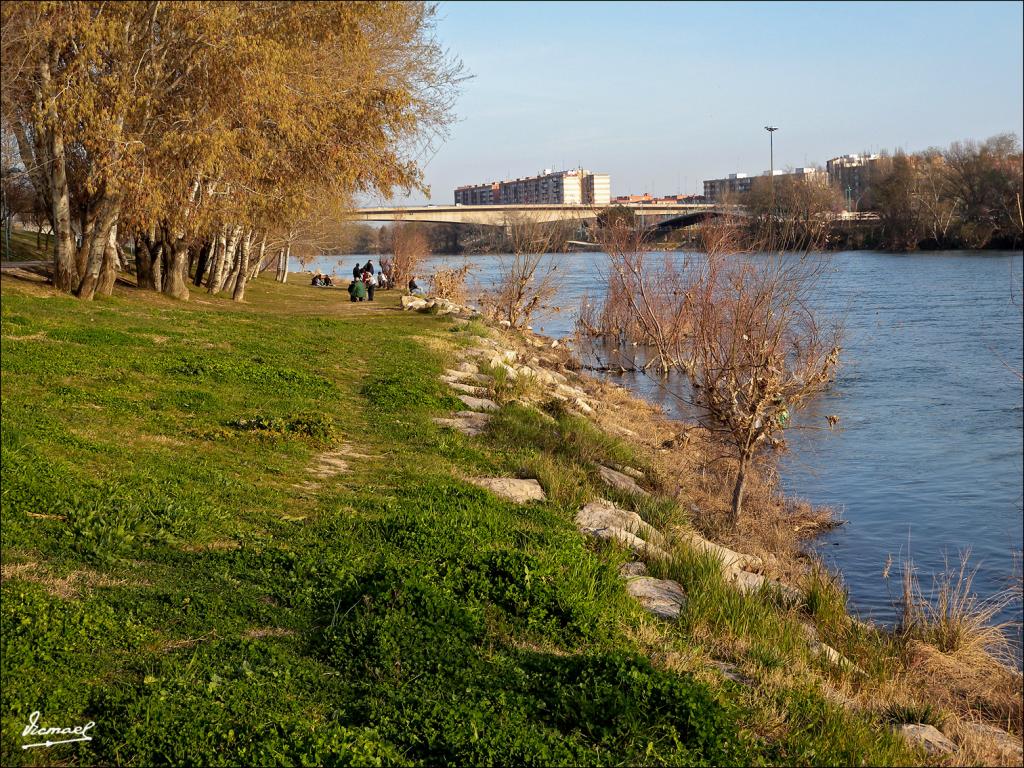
929	458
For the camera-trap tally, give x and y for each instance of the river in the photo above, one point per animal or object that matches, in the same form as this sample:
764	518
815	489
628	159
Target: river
928	458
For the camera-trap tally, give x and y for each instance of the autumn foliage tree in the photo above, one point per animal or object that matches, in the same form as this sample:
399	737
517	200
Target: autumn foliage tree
200	129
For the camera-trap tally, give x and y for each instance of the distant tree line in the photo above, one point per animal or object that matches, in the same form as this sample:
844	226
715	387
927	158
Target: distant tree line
449	239
210	139
966	196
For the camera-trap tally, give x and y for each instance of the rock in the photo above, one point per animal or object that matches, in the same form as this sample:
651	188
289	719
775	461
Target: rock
544	377
413	302
582	405
467	367
636	474
445	307
832	656
606	522
465	388
748	583
662	597
603	514
730	559
467	422
1006	745
519	491
632	570
479	403
927	736
620	481
461	376
571	392
731	672
497	362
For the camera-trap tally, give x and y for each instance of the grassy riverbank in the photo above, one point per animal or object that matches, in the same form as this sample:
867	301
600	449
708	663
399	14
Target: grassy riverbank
232	534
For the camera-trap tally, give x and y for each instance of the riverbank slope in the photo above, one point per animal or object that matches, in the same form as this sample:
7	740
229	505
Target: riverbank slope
234	534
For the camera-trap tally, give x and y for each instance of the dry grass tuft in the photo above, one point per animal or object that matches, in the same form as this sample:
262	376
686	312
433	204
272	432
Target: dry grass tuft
66	587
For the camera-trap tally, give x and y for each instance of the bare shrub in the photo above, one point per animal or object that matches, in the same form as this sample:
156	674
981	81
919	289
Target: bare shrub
648	301
759	351
526	280
409	246
449	283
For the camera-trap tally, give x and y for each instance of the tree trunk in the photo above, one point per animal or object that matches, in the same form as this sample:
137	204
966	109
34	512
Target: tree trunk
87	226
109	208
143	262
219	245
111	265
225	262
737	494
159	249
65	271
176	279
243	269
282	267
245	243
254	269
204	262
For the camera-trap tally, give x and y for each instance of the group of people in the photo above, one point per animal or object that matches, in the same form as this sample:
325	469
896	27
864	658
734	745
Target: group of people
366	280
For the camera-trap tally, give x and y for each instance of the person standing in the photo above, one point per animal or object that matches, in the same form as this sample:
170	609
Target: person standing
357	271
370	280
368	267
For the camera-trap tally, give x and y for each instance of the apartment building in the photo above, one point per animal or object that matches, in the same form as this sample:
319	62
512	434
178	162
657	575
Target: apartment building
478	194
574	187
852	174
715	190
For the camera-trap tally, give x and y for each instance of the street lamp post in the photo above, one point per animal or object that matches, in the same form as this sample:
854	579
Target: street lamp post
771	158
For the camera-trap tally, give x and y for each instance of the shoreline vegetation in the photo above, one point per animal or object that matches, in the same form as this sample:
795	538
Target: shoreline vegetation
236	532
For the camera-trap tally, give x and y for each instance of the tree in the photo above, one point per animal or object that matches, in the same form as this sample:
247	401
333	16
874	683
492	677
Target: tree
893	195
178	120
759	351
526	280
409	246
800	210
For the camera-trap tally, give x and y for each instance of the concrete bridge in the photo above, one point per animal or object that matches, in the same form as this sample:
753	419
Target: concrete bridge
503	215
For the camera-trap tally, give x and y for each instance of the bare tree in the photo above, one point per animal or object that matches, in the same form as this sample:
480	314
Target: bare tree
409	247
648	301
759	350
526	280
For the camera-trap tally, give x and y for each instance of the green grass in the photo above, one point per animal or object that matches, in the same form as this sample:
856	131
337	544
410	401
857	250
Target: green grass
169	582
24	246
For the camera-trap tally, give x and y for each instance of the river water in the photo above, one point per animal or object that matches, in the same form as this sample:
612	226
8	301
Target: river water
928	459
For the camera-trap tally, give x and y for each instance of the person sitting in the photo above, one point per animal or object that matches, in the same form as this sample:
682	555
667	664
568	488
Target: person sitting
327	282
317	280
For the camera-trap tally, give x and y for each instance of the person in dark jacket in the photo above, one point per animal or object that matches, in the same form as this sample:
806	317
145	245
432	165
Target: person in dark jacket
357	272
368	267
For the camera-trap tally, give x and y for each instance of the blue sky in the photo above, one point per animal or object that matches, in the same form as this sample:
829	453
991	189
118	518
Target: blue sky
663	95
